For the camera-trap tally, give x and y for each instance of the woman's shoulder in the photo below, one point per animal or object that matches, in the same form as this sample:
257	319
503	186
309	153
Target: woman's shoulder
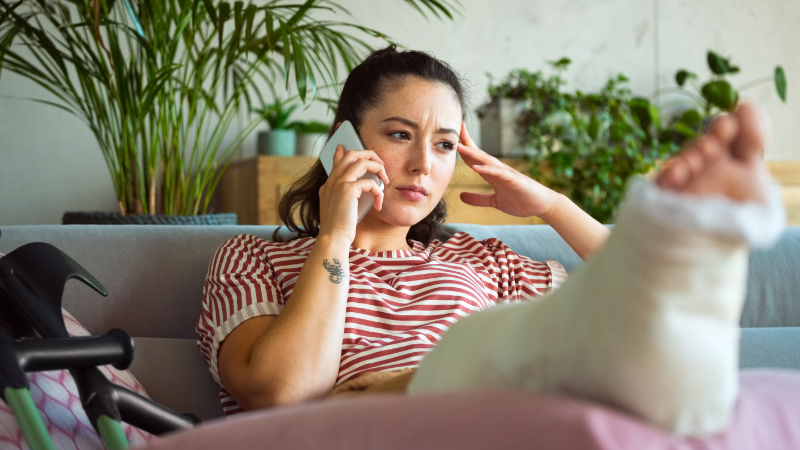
496	255
248	244
464	242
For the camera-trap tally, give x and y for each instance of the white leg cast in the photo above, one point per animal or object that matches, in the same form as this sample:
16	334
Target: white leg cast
649	325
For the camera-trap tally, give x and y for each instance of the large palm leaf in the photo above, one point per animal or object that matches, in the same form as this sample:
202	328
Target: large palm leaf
160	82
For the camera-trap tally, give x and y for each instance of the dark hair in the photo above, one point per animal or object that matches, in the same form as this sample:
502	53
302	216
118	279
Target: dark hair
364	89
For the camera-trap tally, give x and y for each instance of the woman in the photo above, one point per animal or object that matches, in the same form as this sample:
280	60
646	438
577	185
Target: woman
356	306
408	109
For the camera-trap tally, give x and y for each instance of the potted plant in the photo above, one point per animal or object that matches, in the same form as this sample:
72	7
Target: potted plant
715	96
280	140
585	145
159	83
310	137
504	120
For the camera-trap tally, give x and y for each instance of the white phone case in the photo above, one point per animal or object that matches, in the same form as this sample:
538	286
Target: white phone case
346	135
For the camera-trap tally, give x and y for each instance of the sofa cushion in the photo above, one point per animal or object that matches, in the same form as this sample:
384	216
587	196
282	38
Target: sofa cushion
765	418
773	284
776	347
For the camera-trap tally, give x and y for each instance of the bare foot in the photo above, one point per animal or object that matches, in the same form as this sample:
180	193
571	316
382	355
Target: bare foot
725	161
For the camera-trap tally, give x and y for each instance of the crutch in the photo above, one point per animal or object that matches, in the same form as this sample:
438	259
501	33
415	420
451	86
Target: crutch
32	280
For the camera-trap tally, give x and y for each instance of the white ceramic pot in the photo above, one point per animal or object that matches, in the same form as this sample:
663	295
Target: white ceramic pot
310	144
501	135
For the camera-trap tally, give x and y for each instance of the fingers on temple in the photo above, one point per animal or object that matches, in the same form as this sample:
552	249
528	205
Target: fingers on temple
472	155
500	172
478	199
465	139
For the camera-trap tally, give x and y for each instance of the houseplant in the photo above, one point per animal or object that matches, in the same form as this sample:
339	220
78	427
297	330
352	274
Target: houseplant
159	83
713	97
585	145
280	140
310	137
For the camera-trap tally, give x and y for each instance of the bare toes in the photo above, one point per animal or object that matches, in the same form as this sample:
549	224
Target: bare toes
675	175
711	149
725	129
694	158
749	144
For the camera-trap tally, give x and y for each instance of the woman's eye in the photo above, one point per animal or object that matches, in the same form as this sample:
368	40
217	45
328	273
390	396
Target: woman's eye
447	145
401	135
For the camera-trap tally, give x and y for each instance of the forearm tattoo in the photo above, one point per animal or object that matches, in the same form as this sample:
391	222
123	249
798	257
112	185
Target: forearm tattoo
335	269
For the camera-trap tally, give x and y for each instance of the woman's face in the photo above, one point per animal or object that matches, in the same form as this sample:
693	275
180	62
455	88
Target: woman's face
414	130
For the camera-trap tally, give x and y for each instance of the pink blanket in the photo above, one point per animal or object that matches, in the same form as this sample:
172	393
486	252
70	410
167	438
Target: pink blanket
767	417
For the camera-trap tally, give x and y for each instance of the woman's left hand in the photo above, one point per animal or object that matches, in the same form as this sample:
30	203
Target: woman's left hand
514	193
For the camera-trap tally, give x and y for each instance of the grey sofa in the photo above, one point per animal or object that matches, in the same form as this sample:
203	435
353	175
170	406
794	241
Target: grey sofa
154	275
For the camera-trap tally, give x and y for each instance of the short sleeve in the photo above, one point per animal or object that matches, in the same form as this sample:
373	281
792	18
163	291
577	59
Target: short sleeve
522	278
240	284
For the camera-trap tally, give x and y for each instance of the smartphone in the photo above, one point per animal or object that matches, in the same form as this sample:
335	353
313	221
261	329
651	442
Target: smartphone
347	136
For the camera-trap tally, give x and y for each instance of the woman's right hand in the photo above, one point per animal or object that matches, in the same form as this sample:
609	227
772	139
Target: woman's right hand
340	193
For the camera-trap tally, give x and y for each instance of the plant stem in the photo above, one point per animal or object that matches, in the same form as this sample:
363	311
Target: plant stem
754	83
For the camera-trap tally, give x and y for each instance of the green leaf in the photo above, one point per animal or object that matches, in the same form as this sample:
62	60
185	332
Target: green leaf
682	76
224	13
300	13
9	10
250	15
212	12
437	7
720	65
645	112
4	44
562	63
780	83
721	94
692	118
132	16
300	69
685	130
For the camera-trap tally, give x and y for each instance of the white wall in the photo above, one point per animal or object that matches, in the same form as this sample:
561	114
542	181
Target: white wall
49	162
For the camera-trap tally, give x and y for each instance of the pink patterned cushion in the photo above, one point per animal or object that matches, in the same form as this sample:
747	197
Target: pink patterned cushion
767	417
56	397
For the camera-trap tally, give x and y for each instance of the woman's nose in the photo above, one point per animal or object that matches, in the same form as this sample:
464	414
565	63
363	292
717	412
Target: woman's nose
420	161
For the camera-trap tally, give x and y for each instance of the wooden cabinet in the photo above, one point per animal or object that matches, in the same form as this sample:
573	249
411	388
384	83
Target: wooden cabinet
253	187
787	173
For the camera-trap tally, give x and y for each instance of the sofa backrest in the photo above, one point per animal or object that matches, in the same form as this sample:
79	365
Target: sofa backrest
154	274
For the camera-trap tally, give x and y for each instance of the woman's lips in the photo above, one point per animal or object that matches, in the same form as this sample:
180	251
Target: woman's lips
411	194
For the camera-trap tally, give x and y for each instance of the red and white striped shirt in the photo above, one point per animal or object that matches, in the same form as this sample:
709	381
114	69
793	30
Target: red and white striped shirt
399	303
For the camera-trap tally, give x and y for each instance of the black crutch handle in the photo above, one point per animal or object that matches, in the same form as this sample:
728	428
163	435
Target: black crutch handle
37	355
